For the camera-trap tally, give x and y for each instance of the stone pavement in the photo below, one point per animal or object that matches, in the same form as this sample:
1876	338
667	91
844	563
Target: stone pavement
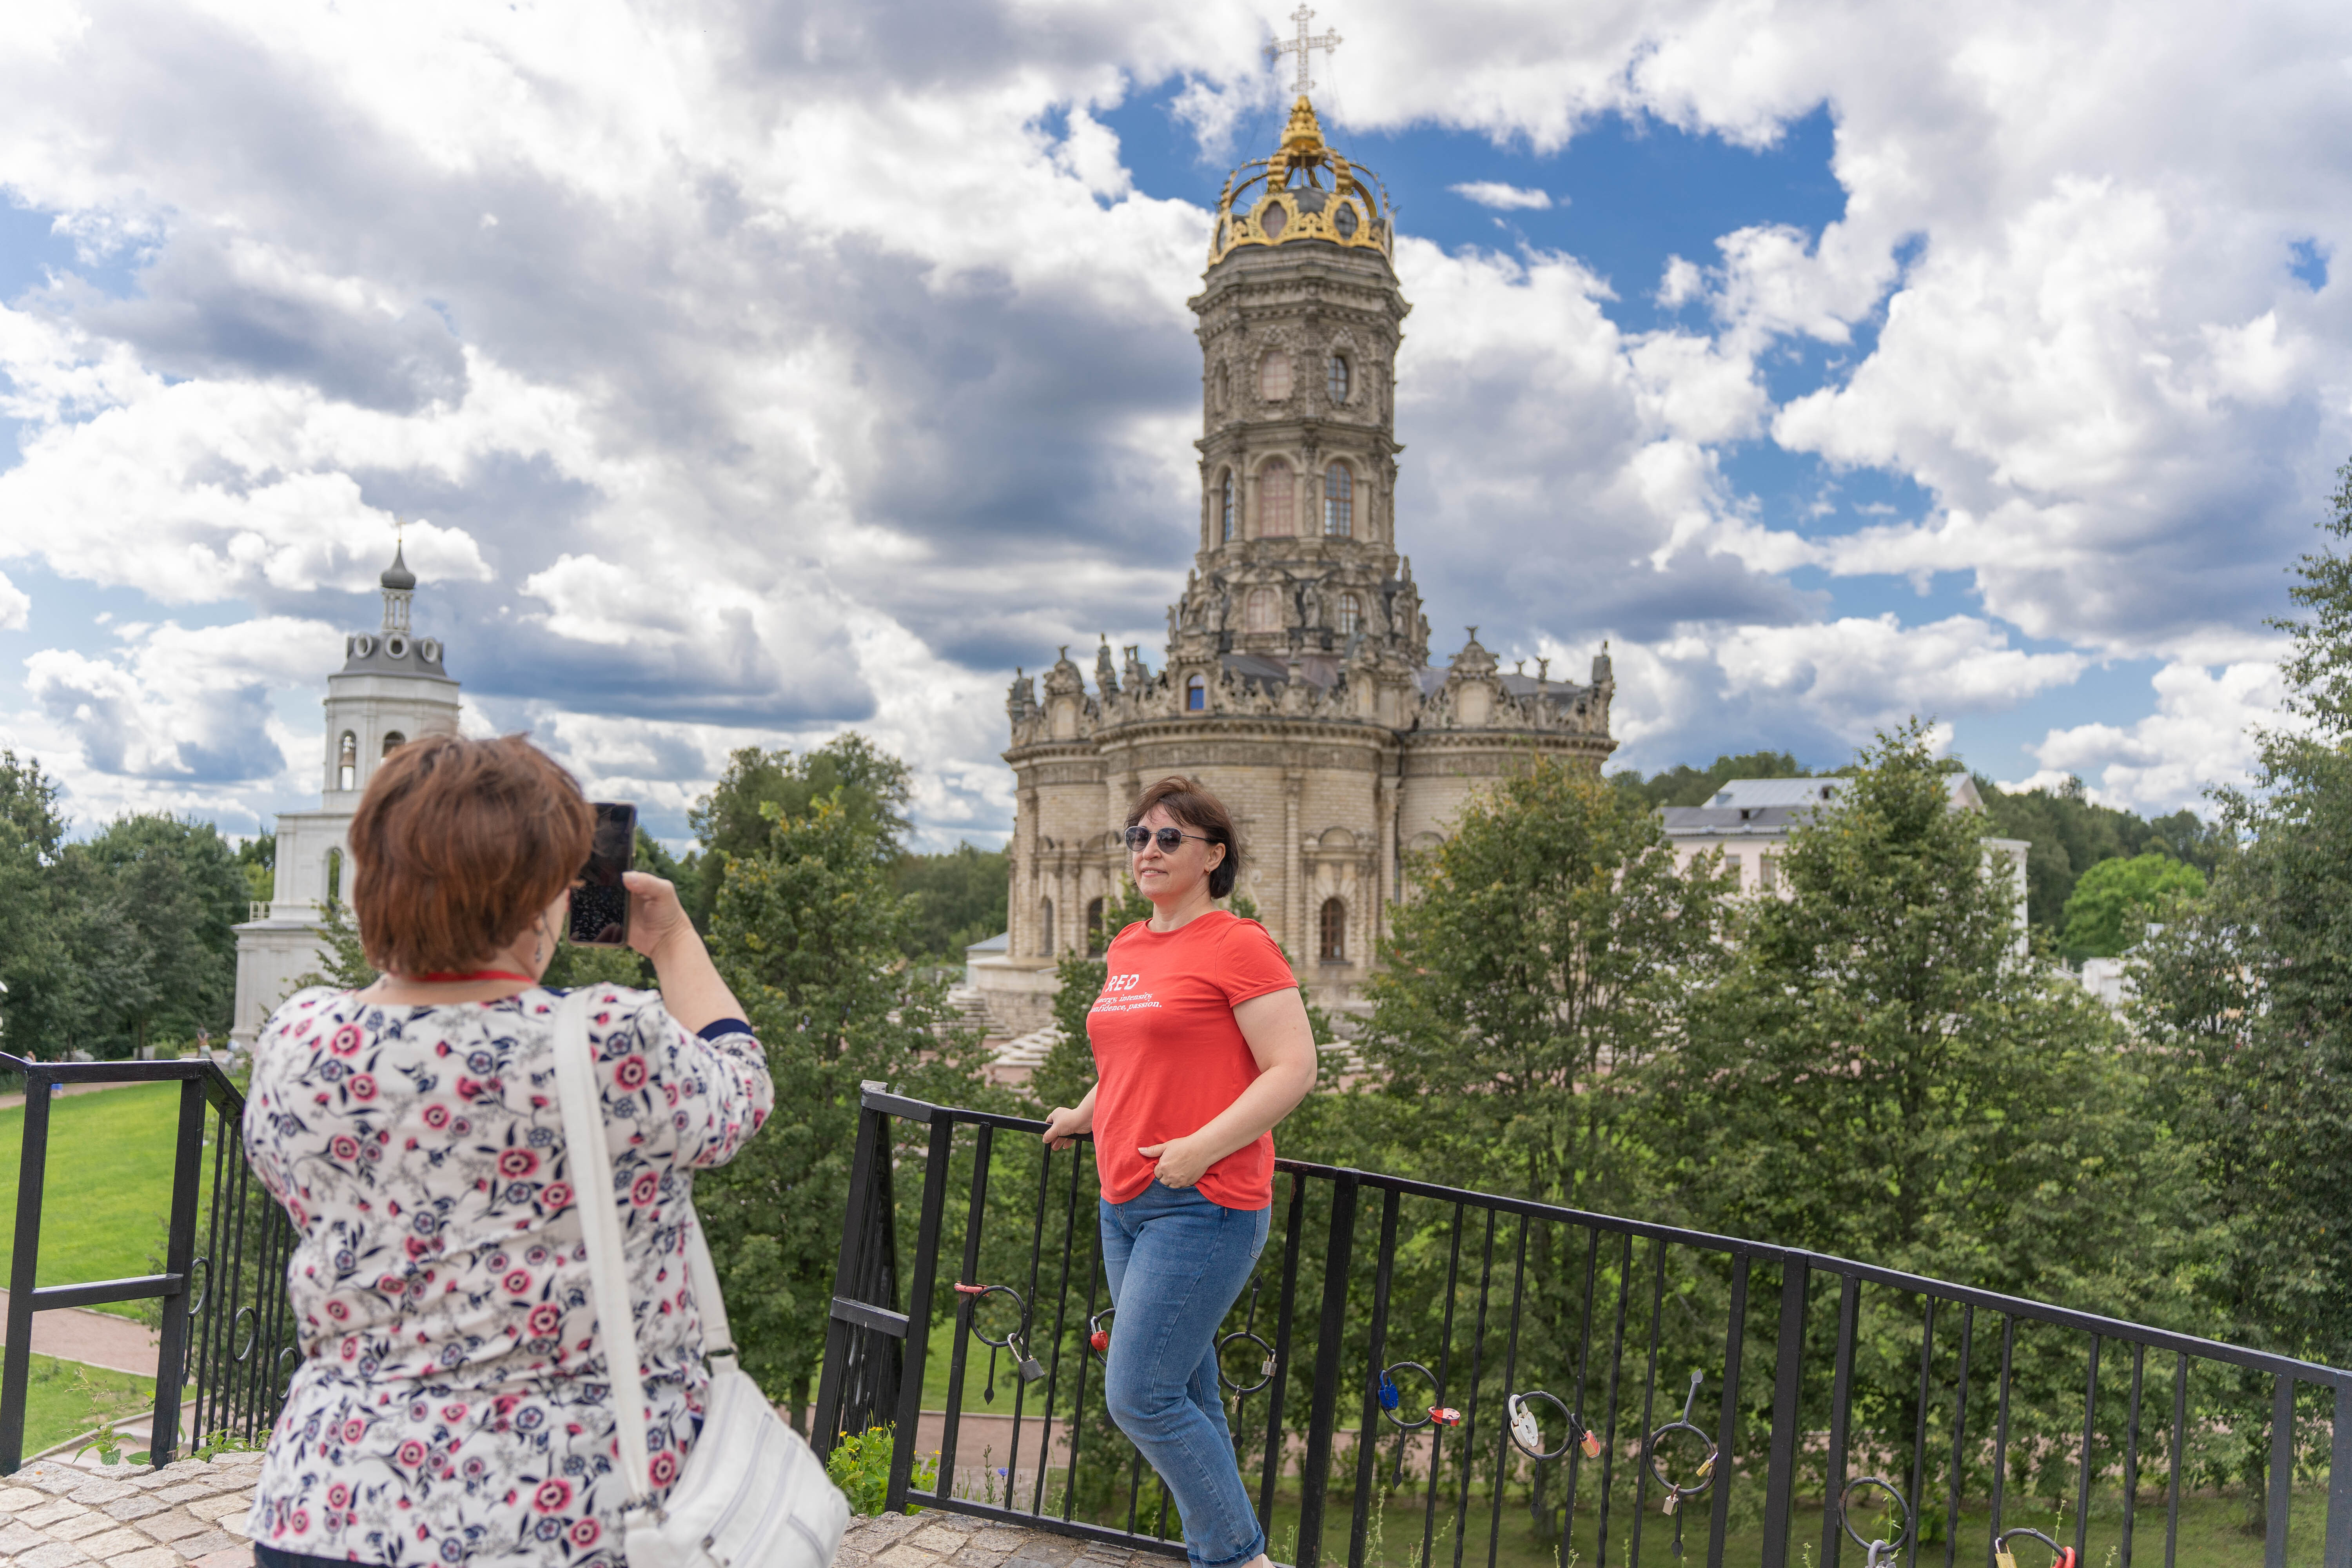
935	1540
190	1514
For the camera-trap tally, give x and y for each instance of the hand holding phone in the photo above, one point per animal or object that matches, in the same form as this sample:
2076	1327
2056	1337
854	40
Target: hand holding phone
600	900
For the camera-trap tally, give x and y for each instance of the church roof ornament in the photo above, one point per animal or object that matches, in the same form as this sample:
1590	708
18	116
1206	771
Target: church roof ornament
1305	192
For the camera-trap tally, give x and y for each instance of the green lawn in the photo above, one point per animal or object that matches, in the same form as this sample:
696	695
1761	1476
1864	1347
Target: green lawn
59	1401
107	1192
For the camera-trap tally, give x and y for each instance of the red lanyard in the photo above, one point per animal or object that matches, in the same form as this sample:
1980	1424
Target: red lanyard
473	975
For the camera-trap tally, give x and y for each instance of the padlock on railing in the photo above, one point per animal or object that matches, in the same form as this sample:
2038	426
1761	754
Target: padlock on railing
1014	1340
1445	1416
1877	1552
1098	1337
1702	1478
1391	1398
2002	1557
1526	1432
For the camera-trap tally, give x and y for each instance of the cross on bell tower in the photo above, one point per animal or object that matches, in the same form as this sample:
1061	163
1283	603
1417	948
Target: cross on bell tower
1301	46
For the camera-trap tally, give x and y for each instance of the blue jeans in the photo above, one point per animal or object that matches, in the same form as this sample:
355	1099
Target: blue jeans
1177	1263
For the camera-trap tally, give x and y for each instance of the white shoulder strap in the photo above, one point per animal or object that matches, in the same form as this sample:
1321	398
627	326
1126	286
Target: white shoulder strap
600	1227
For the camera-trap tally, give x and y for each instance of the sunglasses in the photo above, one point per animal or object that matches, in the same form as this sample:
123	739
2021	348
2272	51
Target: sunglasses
1170	840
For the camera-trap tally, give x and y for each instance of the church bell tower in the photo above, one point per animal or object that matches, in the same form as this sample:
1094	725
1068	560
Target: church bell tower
1299	319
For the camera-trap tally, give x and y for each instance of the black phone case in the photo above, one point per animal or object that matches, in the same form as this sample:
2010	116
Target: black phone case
600	904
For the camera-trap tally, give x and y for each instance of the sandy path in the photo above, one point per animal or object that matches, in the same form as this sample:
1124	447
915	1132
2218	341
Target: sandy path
75	1334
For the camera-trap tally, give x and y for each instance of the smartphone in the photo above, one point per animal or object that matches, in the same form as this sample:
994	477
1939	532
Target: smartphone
600	903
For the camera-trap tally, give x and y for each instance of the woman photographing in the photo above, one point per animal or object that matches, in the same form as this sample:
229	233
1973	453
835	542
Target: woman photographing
1200	1046
453	1403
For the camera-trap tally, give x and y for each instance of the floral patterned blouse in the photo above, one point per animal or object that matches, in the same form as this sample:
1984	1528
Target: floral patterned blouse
452	1403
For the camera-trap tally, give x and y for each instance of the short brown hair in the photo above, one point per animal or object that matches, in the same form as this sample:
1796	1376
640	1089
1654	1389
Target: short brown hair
1190	802
457	845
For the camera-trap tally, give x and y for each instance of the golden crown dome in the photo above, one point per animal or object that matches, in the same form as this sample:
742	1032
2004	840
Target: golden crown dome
1287	197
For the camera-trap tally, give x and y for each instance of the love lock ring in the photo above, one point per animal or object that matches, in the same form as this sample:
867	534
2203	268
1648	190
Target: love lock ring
1879	1550
2002	1557
1391	1400
1526	1436
1266	1367
1705	1478
1015	1340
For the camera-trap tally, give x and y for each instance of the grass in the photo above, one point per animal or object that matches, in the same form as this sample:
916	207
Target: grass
59	1401
106	1194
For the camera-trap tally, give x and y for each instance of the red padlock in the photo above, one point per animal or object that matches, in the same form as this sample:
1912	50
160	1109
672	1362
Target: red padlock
1591	1444
1445	1416
1100	1339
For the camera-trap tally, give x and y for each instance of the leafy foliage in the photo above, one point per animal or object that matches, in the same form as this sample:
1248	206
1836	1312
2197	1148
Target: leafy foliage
1883	1074
2069	835
760	789
812	939
1682	785
962	898
2247	998
1550	949
860	1466
2111	906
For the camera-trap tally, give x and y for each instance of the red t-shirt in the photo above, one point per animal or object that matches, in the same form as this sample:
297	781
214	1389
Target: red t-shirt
1169	1055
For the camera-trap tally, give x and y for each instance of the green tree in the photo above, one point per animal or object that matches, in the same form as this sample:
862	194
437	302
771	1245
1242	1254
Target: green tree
1883	1073
2247	999
154	901
2113	903
961	898
1551	948
812	939
34	954
762	789
1682	785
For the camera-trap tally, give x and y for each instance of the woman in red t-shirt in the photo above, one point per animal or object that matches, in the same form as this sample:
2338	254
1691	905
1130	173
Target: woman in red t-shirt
1200	1046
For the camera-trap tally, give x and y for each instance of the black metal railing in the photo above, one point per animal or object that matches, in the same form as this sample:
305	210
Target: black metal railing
1435	1375
226	1344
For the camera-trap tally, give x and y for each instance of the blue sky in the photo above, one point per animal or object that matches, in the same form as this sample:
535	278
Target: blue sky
757	371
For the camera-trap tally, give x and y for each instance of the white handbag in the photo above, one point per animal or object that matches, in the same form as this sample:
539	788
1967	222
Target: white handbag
752	1494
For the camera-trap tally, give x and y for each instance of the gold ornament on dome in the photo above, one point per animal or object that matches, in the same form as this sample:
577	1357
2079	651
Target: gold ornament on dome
1306	191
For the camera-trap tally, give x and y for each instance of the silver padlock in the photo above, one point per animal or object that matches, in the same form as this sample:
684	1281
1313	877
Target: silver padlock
1031	1368
1523	1427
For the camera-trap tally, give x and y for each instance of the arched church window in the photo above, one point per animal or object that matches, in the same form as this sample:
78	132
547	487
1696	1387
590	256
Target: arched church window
1196	695
1338	501
334	877
1045	943
1094	928
392	740
1273	375
1278	504
1351	615
1222	387
1225	510
1334	945
1336	379
1257	611
347	762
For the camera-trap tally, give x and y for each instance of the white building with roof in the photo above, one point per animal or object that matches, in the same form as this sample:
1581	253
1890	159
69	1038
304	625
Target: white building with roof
1750	820
392	688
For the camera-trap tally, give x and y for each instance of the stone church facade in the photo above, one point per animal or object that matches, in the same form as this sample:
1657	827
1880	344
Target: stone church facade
1296	681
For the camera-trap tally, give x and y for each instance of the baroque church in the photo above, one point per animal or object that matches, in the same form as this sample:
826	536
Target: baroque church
1297	682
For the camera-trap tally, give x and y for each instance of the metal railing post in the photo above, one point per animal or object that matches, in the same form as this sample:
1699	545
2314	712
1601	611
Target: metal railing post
179	1258
2281	1487
824	1420
16	1364
1781	1479
1330	1330
918	1318
2338	1549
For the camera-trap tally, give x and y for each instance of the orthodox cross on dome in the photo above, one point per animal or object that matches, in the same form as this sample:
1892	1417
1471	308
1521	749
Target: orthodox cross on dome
1301	46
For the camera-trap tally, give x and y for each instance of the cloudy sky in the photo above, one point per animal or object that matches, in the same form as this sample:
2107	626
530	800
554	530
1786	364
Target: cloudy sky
757	372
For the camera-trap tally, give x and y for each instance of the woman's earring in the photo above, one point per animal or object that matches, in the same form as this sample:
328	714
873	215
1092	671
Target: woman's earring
538	948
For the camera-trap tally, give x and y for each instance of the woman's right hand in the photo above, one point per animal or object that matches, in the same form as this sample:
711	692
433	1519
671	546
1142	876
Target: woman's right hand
654	914
1066	1124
